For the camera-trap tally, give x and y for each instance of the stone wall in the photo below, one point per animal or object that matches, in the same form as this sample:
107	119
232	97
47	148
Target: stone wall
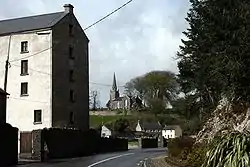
8	145
37	145
62	85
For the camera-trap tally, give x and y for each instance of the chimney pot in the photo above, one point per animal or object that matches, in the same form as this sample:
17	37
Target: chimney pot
68	8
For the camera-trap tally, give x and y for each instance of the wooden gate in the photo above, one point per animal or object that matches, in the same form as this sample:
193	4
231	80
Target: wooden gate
26	142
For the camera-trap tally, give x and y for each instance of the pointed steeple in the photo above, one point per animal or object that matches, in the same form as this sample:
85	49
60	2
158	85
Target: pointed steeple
114	86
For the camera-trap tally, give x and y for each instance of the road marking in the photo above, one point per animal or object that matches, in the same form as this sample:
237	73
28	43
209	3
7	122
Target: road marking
144	164
108	159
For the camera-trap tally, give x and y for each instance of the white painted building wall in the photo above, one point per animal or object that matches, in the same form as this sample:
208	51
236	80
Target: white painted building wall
168	134
105	132
20	110
138	127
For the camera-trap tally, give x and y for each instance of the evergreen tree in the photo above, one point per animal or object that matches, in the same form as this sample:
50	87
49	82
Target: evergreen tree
215	56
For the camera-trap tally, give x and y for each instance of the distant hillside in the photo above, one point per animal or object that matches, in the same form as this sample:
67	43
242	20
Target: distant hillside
112	113
108	113
96	120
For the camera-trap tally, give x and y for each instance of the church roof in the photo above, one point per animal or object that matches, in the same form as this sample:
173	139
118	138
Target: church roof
114	85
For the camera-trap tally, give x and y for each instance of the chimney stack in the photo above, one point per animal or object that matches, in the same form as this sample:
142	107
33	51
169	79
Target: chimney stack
68	8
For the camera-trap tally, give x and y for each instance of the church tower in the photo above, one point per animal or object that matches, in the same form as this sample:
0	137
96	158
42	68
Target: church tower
114	92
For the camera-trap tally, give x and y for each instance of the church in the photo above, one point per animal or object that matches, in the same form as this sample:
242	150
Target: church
121	102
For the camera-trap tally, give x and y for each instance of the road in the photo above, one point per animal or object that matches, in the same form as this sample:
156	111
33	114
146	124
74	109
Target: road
131	158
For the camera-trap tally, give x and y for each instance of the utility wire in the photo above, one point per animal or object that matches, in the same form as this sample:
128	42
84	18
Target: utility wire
94	83
103	18
15	98
108	15
32	69
31	55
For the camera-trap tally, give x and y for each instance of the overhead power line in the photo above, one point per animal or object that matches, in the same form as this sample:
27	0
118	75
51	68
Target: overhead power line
31	55
32	69
103	18
46	73
15	98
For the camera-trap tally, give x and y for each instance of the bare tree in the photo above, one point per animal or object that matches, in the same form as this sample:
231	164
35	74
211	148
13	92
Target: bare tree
94	100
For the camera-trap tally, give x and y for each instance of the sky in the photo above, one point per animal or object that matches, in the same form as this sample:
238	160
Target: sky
141	37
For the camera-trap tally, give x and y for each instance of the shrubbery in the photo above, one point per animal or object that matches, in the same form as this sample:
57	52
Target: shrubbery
197	155
226	150
229	150
180	147
186	151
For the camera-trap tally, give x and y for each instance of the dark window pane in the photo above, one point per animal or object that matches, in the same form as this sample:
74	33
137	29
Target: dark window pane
71	117
71	55
24	46
70	29
24	67
71	75
72	96
38	116
24	88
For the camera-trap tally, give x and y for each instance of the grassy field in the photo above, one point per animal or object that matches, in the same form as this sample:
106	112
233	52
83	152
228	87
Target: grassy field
133	143
96	120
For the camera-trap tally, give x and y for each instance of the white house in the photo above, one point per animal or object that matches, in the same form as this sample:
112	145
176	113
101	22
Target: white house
48	75
153	127
172	131
105	132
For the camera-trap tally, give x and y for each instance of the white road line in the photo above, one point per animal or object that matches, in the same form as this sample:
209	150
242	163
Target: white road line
108	159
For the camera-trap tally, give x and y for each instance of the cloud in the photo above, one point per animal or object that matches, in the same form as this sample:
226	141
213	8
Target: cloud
142	36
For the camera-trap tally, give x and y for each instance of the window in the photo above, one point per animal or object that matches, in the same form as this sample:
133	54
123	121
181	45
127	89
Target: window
24	88
37	116
24	67
71	118
72	96
71	55
71	75
24	47
70	29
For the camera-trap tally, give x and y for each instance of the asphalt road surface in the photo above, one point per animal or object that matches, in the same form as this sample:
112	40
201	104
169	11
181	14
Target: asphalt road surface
131	158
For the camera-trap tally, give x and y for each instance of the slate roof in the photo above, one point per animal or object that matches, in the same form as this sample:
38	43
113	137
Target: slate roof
151	126
171	127
30	23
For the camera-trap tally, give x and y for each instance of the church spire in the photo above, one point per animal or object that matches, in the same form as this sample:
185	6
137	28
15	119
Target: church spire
114	86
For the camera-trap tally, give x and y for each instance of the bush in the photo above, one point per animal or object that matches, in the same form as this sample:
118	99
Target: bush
192	126
180	147
229	150
197	155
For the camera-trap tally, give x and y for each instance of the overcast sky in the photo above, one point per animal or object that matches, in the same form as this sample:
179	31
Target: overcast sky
141	37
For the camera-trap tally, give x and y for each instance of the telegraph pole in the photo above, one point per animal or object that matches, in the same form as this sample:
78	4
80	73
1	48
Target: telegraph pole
7	67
